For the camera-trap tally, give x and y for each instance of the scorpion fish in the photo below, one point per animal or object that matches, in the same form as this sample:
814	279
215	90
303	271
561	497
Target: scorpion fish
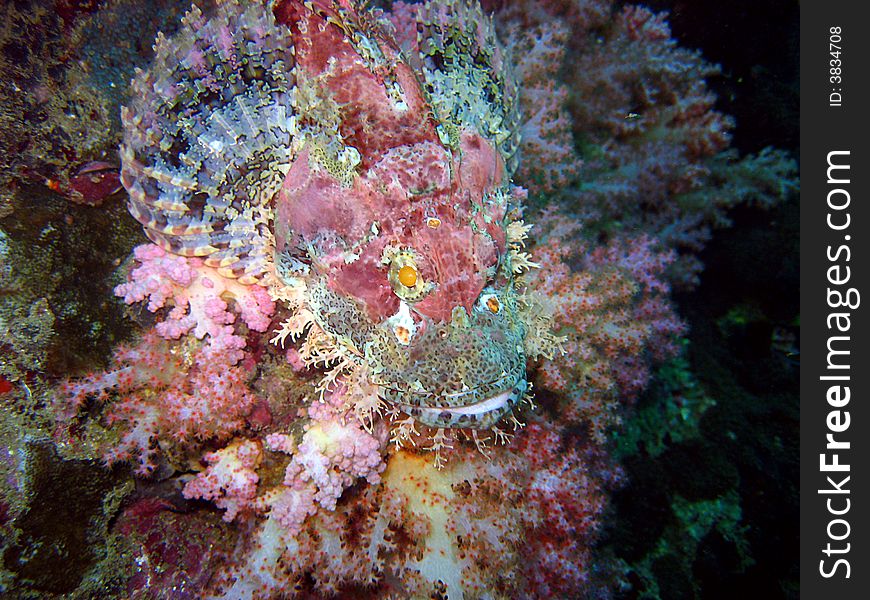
361	160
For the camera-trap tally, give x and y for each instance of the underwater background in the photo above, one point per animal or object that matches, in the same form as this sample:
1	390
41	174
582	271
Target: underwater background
155	444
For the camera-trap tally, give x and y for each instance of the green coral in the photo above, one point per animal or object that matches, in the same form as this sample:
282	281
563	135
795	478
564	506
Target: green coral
678	546
763	180
669	413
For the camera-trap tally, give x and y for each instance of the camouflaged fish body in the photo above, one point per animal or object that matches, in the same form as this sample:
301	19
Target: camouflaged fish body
208	138
363	156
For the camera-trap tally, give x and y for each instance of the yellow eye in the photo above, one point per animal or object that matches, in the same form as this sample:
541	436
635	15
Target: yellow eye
493	305
405	276
408	276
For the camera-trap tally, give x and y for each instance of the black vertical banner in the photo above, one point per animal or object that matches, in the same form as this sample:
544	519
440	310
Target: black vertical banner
835	299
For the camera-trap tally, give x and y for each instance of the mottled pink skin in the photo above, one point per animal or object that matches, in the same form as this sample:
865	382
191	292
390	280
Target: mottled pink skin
452	256
404	177
372	123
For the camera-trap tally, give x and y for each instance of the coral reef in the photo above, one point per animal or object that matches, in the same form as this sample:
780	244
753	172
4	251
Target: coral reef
348	297
519	526
654	150
611	308
176	393
66	68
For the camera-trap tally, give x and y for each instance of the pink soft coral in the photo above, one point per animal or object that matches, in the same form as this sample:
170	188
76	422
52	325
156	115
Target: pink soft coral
335	451
181	392
197	294
615	316
230	480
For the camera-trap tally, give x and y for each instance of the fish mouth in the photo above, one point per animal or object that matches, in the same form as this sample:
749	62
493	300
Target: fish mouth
468	373
477	415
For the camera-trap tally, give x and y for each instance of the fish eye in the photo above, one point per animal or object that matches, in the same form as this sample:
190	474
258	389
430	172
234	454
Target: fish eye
404	275
408	276
489	303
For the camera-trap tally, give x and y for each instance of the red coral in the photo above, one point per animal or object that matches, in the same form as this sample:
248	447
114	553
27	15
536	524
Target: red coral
640	115
615	314
94	182
521	525
171	550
